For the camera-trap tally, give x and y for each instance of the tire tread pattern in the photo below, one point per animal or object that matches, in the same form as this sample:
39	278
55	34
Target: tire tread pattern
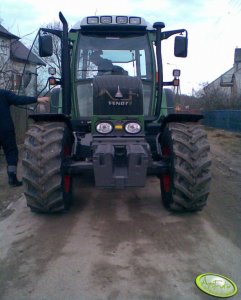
190	166
42	167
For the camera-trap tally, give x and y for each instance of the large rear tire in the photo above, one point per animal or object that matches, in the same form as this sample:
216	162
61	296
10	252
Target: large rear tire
186	185
46	188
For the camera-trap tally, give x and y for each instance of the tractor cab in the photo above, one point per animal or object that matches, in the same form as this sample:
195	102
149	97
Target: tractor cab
117	59
114	46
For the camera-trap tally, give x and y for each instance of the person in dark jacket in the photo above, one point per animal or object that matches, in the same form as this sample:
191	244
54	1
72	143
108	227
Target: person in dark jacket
105	66
7	131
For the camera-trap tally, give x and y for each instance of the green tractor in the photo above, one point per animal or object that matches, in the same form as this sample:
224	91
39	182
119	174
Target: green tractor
111	116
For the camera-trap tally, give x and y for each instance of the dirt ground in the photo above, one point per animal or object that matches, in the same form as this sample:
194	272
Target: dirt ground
225	153
123	245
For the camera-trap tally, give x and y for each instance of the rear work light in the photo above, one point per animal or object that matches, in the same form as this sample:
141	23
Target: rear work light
121	20
106	20
92	20
52	71
135	20
176	73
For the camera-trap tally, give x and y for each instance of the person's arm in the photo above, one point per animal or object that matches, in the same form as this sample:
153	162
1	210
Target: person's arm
14	99
24	100
43	100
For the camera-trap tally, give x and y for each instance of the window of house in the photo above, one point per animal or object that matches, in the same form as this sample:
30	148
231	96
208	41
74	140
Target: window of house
4	47
17	81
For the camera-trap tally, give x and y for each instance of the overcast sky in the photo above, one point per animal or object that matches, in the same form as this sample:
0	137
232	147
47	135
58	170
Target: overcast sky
214	28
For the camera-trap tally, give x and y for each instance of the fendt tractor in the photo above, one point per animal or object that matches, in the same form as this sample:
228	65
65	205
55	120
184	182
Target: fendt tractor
110	116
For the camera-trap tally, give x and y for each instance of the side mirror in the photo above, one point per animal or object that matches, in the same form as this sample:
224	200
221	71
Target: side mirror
180	48
45	45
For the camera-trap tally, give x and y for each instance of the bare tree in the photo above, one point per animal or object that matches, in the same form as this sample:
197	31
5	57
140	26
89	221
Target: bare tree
213	97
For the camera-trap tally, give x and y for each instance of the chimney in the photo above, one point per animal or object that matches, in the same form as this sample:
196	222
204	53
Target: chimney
237	59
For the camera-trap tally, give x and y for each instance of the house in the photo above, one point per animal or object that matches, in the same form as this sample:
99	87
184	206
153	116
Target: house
18	73
229	83
18	66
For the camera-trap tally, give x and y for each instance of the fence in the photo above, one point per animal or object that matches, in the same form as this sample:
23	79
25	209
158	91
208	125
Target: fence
223	119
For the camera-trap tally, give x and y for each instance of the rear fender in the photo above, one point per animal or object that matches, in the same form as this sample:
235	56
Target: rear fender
156	128
180	118
51	118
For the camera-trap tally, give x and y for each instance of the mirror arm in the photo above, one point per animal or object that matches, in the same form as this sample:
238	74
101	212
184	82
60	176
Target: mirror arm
56	32
166	34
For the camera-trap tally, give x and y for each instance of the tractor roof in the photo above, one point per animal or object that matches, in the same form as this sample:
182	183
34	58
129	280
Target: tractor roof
113	21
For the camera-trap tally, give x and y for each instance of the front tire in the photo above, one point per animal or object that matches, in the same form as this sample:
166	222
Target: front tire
47	189
186	185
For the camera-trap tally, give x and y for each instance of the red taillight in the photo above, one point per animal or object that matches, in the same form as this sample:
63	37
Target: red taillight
52	81
166	151
67	182
67	151
166	179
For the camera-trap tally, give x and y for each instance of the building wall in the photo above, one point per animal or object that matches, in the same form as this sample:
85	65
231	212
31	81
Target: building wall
5	68
216	84
11	79
229	83
237	75
20	115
